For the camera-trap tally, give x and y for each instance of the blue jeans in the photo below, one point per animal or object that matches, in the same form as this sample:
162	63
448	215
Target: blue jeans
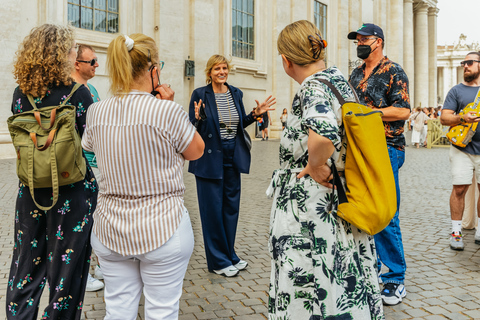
389	240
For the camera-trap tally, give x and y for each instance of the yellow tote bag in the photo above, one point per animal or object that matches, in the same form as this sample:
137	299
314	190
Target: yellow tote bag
370	200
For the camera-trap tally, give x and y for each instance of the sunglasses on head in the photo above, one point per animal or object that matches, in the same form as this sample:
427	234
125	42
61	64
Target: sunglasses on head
468	62
92	62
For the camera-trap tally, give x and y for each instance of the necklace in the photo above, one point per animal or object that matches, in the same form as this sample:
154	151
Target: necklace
223	125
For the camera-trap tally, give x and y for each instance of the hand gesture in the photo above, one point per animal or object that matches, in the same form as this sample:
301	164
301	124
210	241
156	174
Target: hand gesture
197	108
264	106
165	92
471	116
321	174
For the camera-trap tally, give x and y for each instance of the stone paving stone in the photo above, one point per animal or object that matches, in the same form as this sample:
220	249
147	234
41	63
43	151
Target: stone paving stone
457	316
417	313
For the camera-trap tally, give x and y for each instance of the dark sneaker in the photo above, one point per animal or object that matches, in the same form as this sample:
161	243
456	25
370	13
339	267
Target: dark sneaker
456	241
477	238
393	293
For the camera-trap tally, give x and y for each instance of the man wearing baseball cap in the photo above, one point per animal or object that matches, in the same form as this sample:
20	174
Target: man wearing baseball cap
383	85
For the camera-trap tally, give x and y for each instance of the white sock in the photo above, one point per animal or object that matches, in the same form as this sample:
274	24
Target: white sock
456	225
478	227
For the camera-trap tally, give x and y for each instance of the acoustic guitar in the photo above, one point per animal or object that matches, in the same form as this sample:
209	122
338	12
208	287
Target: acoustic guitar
461	135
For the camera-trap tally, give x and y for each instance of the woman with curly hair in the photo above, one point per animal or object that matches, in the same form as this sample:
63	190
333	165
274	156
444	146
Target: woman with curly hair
50	246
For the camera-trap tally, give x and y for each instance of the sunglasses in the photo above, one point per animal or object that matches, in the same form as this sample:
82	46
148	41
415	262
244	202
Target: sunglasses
92	62
468	62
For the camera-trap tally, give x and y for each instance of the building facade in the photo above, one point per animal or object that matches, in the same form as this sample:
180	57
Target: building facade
188	32
450	72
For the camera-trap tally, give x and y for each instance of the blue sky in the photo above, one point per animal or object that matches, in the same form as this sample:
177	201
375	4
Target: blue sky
456	17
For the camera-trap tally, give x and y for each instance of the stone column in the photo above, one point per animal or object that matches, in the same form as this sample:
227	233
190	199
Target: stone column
447	79
395	31
421	55
342	41
408	47
432	57
440	84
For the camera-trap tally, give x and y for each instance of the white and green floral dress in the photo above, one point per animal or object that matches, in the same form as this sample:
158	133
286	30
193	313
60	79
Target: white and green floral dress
322	267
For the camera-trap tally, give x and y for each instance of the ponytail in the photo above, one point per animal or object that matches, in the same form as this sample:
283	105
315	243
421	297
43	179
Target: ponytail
124	65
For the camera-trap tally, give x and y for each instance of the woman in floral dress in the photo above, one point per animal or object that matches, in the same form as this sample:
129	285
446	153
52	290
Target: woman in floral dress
322	267
52	248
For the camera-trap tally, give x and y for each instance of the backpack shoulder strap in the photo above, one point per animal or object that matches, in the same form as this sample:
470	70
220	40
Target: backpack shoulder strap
32	101
337	93
334	90
75	87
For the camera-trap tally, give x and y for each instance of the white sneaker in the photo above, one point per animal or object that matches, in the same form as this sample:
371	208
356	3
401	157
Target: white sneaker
98	272
242	264
393	293
229	271
93	284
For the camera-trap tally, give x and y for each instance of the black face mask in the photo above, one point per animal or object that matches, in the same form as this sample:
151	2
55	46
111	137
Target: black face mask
364	51
154	92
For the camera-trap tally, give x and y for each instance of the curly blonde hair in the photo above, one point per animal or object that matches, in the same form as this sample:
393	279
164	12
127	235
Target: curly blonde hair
42	59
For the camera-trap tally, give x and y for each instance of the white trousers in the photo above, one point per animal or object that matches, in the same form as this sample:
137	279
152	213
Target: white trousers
159	273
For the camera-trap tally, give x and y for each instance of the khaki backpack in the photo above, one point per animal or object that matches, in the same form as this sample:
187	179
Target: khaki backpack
48	147
370	199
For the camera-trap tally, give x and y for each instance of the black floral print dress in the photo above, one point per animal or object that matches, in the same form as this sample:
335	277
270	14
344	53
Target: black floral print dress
322	267
52	248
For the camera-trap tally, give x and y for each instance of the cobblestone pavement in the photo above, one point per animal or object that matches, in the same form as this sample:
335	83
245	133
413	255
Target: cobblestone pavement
441	283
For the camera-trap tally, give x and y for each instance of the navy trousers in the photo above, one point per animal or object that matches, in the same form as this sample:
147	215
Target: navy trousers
219	203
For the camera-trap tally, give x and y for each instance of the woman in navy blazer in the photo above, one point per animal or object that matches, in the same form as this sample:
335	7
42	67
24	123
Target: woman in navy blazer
226	155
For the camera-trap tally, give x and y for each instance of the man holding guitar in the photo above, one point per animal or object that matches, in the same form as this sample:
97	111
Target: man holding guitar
464	161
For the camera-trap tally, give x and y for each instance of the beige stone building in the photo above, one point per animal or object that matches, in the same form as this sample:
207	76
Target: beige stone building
450	73
188	32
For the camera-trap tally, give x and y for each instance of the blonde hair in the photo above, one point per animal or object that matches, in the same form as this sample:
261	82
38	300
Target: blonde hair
42	59
124	67
294	44
212	62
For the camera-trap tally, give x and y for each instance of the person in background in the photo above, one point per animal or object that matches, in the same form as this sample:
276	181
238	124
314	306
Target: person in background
464	162
142	233
84	70
264	127
218	113
322	266
382	84
418	118
283	118
50	246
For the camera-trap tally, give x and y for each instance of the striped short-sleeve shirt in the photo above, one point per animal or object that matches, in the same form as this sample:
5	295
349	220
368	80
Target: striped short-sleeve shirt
138	141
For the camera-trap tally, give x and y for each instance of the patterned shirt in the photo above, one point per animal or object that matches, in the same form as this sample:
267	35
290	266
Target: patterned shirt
314	107
138	141
386	86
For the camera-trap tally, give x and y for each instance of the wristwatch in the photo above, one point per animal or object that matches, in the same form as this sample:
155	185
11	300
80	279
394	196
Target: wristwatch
462	119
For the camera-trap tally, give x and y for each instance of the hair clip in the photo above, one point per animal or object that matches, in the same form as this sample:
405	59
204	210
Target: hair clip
317	45
129	42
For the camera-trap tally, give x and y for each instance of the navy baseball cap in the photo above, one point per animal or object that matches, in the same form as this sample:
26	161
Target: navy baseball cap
367	29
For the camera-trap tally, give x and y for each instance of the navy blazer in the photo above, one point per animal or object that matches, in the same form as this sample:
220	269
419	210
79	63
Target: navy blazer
210	165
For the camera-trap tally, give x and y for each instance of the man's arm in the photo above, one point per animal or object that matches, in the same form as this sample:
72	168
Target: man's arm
449	118
394	113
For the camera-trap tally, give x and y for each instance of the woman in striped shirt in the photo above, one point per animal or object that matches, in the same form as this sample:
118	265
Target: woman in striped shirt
142	233
218	112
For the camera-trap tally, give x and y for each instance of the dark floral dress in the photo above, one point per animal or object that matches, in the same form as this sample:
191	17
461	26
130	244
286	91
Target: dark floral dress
322	267
52	248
